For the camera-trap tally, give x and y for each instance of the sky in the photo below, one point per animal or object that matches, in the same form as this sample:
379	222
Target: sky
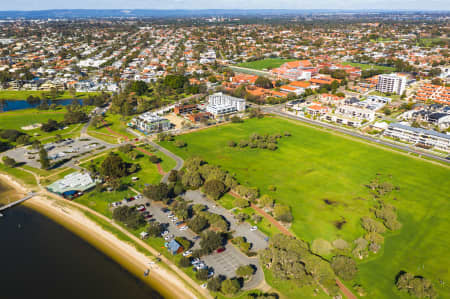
225	4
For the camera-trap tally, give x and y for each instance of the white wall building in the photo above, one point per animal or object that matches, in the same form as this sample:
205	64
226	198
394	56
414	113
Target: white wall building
391	83
150	122
220	103
419	136
350	115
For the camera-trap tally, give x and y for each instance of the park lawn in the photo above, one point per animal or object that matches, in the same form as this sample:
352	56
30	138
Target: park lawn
115	122
312	166
24	177
364	66
20	118
107	138
24	94
268	63
99	201
148	174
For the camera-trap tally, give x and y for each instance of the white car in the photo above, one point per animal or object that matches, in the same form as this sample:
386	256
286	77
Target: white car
183	228
204	285
253	228
167	238
171	215
165	232
187	253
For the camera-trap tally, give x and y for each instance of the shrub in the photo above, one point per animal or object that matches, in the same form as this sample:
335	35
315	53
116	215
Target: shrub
321	247
241	203
214	284
155	229
214	188
283	213
232	143
236	119
230	286
243	143
344	267
415	285
154	159
180	143
184	262
245	271
372	225
10	162
202	274
266	201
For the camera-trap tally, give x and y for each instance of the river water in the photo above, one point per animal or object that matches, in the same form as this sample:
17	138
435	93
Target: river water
42	259
10	105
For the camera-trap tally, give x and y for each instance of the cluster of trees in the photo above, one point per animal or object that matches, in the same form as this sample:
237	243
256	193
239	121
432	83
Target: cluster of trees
290	259
113	168
388	214
9	162
75	114
215	180
129	216
226	286
12	135
50	125
344	267
416	286
242	243
256	140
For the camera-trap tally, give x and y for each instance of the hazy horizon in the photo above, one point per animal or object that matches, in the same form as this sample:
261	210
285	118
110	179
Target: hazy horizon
31	5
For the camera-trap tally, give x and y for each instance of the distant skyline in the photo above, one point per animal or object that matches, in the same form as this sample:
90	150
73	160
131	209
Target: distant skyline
226	4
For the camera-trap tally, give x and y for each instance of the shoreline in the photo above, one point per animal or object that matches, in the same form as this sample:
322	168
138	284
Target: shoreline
160	279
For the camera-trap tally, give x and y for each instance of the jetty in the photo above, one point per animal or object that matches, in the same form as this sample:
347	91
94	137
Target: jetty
17	202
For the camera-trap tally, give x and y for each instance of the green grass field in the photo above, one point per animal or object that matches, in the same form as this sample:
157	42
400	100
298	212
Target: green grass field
364	66
269	63
24	94
312	165
20	118
116	123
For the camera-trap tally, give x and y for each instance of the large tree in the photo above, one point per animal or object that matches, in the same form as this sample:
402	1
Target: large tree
114	167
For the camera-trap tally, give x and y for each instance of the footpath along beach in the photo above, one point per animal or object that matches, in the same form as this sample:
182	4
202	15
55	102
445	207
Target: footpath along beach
161	278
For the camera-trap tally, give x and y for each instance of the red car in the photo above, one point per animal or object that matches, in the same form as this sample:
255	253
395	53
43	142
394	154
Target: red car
222	249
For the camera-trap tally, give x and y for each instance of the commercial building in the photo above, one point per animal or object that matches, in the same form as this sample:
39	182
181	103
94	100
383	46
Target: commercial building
150	122
184	108
72	183
391	83
220	103
419	137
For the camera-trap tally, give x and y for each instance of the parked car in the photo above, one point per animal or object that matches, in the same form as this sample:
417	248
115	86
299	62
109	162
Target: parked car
221	249
187	253
165	233
171	215
183	228
253	228
148	216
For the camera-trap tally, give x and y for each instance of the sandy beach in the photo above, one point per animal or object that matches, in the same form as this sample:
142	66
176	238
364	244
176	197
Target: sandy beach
163	280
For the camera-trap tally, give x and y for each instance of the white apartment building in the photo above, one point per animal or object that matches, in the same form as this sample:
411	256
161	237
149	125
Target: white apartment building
391	83
419	136
150	122
220	103
350	115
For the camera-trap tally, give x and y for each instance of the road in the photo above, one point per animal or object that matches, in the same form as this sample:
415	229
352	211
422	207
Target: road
277	111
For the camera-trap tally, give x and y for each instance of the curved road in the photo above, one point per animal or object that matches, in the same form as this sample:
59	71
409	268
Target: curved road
277	111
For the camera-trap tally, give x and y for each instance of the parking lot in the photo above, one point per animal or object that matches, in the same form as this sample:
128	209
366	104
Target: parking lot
258	239
224	263
66	149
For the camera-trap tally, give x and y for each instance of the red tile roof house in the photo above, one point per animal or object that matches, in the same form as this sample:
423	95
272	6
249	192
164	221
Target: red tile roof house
332	99
317	110
294	70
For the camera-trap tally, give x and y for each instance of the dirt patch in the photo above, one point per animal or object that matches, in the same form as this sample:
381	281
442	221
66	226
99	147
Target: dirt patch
329	202
340	223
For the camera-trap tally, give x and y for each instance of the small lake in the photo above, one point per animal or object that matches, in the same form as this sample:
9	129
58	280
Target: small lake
10	105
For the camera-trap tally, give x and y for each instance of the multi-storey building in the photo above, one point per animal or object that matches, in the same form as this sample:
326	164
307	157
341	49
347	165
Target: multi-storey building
150	122
391	83
220	103
418	136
